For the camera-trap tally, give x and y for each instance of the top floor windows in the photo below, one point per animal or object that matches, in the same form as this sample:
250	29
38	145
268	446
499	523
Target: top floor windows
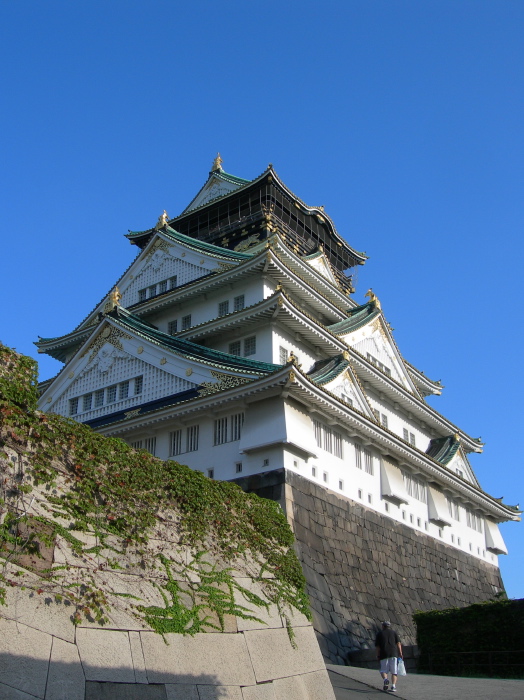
158	288
106	396
282	355
328	439
378	364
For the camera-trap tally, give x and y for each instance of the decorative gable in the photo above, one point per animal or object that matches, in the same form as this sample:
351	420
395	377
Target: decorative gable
320	263
460	465
346	388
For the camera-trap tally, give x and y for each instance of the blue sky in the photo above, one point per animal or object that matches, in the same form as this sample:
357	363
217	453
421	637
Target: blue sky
404	119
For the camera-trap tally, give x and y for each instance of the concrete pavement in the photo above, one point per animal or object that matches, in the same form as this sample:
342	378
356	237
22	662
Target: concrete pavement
351	683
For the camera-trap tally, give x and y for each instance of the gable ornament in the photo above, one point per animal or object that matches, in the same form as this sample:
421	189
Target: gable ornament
162	220
373	299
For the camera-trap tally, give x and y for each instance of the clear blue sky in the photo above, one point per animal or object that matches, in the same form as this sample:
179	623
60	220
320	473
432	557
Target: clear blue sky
403	118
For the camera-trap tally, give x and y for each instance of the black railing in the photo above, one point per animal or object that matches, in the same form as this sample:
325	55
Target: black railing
495	664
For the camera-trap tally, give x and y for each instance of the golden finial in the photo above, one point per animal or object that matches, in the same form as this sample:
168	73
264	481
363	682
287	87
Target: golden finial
278	287
114	298
456	437
217	163
373	299
162	220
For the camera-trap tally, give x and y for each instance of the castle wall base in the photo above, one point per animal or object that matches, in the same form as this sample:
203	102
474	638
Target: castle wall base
362	567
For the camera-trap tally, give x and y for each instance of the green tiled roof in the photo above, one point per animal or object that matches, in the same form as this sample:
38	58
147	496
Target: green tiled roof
188	349
205	247
325	371
357	317
443	449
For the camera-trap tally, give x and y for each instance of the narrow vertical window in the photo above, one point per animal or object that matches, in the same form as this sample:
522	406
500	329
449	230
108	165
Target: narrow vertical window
172	327
238	467
186	322
237	421
176	442
412	439
405	432
142	294
162	287
211	473
238	302
87	400
123	390
192	438
384	420
358	456
250	346
150	445
368	462
220	431
282	353
152	291
234	348
99	398
111	394
172	282
223	308
73	406
139	385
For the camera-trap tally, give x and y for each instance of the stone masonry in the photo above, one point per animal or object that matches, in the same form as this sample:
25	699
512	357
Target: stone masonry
362	567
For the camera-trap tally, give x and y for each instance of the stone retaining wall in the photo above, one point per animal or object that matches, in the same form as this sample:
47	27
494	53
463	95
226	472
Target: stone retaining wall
362	567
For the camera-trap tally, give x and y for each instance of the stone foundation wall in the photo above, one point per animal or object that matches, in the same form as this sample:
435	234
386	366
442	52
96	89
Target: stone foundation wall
362	567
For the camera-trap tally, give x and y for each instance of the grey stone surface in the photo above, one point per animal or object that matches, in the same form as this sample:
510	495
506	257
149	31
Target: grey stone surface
270	618
138	657
219	692
8	693
96	690
263	691
66	680
181	691
24	657
105	655
318	686
290	688
207	659
39	611
274	657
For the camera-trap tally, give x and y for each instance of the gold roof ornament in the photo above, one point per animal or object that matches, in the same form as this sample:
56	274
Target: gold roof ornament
162	220
373	298
456	437
217	163
114	298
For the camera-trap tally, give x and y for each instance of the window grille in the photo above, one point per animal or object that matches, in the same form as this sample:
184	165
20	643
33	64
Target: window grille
337	444
238	467
238	303
376	413
152	290
359	493
211	473
406	434
137	444
237	421
473	520
358	456
384	420
142	294
162	287
176	442
282	355
368	462
139	385
453	508
186	322
87	400
192	438
250	346
172	327
73	407
111	394
412	439
150	445
220	432
416	488
223	308
234	348
370	498
123	390
173	282
99	398
325	477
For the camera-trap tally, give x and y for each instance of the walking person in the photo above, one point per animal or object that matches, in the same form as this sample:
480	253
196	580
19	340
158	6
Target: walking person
389	650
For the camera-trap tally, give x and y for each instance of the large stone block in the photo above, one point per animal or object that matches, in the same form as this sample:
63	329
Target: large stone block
105	655
290	689
24	657
181	691
318	686
219	692
97	690
207	659
66	680
270	618
8	693
263	691
274	657
138	657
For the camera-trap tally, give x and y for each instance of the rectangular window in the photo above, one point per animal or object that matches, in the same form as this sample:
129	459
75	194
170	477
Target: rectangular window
162	287
123	390
172	327
358	456
238	467
313	471
137	445
473	520
220	431
175	438
234	348
405	433
325	477
172	282
453	508
152	291
87	400
211	473
412	439
376	413
142	294
368	462
186	322
139	385
238	303
337	444
73	406
250	346
111	394
386	506
387	371
327	439
237	421
340	484
370	498
99	398
415	487
192	438
223	308
384	420
282	354
359	493
150	445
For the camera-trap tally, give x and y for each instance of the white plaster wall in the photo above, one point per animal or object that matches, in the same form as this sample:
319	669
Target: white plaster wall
305	354
398	420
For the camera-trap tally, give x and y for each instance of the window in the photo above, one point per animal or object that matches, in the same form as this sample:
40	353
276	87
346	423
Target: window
150	445
220	431
406	434
386	506
347	399
403	515
412	439
172	327
313	471
86	403
211	473
186	322
359	493
238	467
192	438
172	282
384	420
340	484
237	421
282	355
265	463
123	390
368	462
142	294
370	498
328	439
152	290
416	488
358	456
111	393
378	364
453	539
73	407
238	303
453	508
139	384
376	413
175	439
295	463
99	398
234	348
411	517
458	541
473	520
137	445
223	308
250	346
325	477
408	437
418	522
162	287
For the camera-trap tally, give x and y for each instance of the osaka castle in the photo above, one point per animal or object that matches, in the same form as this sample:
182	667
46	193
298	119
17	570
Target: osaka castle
233	344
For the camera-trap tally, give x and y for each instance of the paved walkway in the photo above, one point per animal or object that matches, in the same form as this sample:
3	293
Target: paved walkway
351	683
